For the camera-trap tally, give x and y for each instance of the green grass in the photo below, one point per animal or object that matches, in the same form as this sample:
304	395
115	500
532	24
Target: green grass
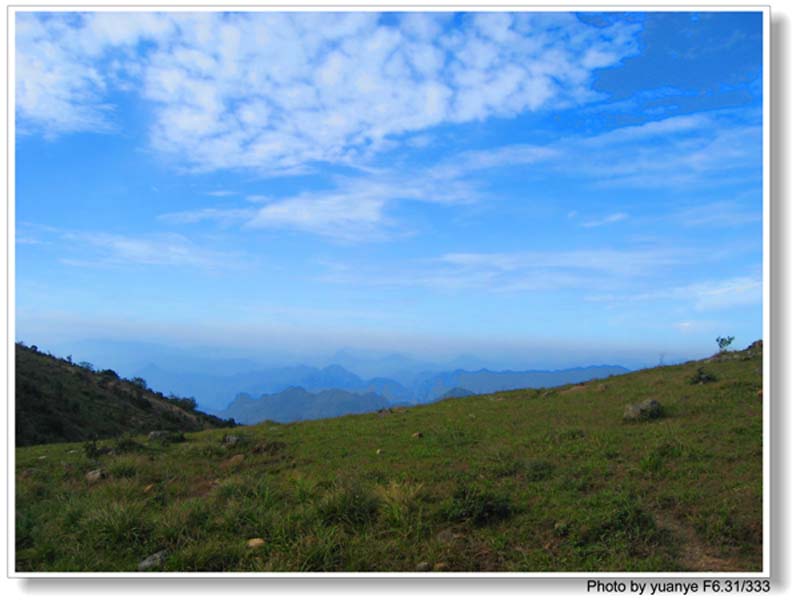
527	480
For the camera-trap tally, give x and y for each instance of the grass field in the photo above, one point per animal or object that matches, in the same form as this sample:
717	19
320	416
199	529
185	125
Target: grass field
527	480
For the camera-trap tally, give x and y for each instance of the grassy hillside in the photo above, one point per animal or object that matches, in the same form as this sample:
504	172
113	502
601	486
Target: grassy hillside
58	401
547	480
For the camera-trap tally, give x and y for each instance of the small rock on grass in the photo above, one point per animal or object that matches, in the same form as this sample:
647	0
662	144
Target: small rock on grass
416	434
255	542
423	566
96	475
649	409
233	461
230	440
440	566
153	561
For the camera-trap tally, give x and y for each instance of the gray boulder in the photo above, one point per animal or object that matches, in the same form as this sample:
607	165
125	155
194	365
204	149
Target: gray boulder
231	440
649	409
153	561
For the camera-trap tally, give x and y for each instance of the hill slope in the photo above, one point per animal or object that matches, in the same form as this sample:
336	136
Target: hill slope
57	401
530	480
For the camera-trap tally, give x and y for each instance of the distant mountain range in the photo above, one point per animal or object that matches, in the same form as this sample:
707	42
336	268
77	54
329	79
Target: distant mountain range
214	392
297	404
261	394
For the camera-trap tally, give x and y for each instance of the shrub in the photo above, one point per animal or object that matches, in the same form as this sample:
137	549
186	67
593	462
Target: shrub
724	342
349	504
478	505
539	470
701	377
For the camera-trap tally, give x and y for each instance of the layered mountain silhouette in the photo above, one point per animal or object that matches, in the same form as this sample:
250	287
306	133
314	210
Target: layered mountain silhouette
334	391
297	404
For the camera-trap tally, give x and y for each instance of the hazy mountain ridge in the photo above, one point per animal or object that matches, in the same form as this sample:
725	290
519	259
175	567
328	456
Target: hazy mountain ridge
297	404
383	392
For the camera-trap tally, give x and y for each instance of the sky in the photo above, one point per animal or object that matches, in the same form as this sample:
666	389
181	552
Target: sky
534	189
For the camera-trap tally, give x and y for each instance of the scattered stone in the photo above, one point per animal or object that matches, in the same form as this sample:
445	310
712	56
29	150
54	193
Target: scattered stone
255	542
561	528
41	457
269	447
96	475
440	566
448	536
72	451
423	566
149	487
378	451
157	436
757	346
649	409
231	440
153	561
233	461
416	434
471	416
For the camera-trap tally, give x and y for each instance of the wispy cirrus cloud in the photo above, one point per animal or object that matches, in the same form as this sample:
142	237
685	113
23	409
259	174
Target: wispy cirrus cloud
511	272
607	220
168	249
668	153
705	295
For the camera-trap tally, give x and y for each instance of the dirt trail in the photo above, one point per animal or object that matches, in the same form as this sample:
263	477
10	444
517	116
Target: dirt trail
695	554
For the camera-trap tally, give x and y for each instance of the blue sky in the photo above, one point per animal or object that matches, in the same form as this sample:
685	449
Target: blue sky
538	189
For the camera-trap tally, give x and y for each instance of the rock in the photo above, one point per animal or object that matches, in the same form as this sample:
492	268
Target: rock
561	528
96	475
166	437
448	536
149	487
233	461
231	440
378	451
757	346
72	451
41	457
440	566
255	542
423	566
649	409
153	561
416	434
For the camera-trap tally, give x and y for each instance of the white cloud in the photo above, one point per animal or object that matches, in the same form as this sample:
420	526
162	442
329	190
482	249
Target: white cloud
718	214
712	148
607	220
104	249
709	295
221	215
595	269
276	91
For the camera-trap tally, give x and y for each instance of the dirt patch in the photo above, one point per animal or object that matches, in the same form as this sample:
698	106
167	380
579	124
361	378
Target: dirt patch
574	389
695	554
200	488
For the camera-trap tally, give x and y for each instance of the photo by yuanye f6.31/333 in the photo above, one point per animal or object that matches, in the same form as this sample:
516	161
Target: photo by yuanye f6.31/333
405	292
